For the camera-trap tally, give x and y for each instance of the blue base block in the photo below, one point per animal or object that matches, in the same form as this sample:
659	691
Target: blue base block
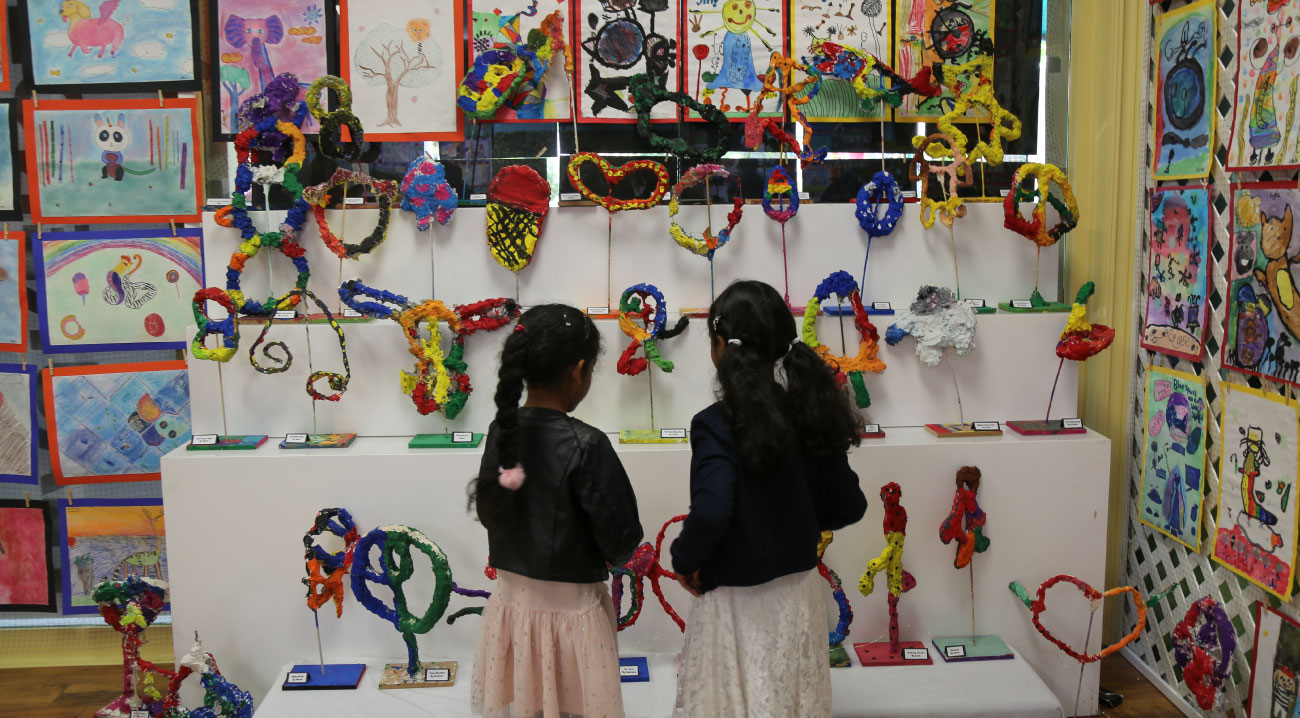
337	676
634	670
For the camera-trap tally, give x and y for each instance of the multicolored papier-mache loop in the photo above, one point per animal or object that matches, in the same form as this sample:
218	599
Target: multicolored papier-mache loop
781	189
795	94
613	175
319	197
708	244
952	176
635	570
330	122
325	570
337	383
1192	646
644	303
1036	229
1039	604
227	329
972	83
882	188
646	93
848	371
513	74
426	193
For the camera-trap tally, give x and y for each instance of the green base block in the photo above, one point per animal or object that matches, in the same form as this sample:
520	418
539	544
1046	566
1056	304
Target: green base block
322	441
646	436
978	648
443	441
234	442
840	657
1044	308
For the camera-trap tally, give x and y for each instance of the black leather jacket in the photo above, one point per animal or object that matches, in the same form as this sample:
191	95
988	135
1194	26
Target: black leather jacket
575	513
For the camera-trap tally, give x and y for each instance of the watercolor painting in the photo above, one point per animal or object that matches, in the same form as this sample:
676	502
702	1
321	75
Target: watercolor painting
1275	663
114	422
1263	324
617	40
113	45
113	161
252	41
11	207
1185	90
1256	533
109	539
403	61
730	47
117	290
1173	455
26	556
18	427
501	23
865	26
1179	251
944	32
1264	131
13	292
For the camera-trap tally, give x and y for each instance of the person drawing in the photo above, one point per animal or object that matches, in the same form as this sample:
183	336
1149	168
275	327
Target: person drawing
738	20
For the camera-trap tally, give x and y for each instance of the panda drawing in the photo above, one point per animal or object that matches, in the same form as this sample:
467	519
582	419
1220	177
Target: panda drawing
112	139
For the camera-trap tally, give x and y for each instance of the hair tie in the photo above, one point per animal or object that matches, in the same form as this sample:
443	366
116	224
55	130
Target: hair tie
511	478
519	328
734	341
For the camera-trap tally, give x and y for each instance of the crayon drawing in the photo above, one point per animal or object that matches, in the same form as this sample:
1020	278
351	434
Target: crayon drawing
1173	455
943	32
730	45
1256	533
498	23
26	556
1185	91
617	40
109	539
1275	664
1264	132
118	290
1179	251
114	422
13	292
1263	332
865	26
18	428
11	208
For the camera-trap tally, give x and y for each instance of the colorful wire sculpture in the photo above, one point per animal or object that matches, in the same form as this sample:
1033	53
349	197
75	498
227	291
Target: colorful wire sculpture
795	95
1022	189
890	559
331	122
972	84
707	244
953	175
326	570
129	607
318	197
637	568
1192	645
426	193
1039	604
841	631
936	319
858	67
613	175
227	329
647	93
659	572
848	371
882	189
517	202
1081	339
781	191
643	316
965	523
337	383
513	74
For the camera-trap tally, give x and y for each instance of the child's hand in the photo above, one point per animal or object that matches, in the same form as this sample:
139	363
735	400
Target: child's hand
691	583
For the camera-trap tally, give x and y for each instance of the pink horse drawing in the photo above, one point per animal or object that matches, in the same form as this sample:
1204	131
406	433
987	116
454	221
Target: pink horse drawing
87	33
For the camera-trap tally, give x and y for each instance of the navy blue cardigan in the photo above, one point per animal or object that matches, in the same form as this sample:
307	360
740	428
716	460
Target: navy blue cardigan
744	530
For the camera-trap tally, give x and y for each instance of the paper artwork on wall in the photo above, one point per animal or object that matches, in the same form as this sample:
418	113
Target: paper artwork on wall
500	23
866	26
11	204
18	428
6	73
1264	132
1263	327
109	539
1275	664
1185	44
1173	455
1179	249
26	556
13	292
929	32
616	40
728	48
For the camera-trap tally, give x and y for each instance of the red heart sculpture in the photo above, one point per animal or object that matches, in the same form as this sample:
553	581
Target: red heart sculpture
1040	604
613	175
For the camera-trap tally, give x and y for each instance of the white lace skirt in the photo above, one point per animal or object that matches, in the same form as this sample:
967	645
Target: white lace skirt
757	652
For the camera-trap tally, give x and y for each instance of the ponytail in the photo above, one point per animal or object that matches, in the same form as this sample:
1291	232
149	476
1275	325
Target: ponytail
819	409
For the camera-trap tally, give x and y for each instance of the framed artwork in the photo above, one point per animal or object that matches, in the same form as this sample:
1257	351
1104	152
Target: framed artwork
1179	251
1263	321
109	539
1173	455
1264	133
11	200
729	47
18	428
930	32
494	23
114	422
6	78
13	292
113	45
26	556
252	41
1184	92
617	40
1275	663
113	161
866	26
1256	533
117	290
403	61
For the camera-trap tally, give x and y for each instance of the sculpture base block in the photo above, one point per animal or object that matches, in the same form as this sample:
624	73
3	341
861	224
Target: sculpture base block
233	442
979	648
909	653
954	431
1035	427
646	436
337	676
840	657
443	441
321	441
432	674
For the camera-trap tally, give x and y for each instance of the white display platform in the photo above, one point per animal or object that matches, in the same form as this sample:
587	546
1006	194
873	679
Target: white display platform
237	518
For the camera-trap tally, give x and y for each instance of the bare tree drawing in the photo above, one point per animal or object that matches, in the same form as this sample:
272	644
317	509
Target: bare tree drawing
384	57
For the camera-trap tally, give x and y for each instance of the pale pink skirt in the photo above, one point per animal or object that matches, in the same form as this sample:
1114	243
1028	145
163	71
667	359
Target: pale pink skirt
547	650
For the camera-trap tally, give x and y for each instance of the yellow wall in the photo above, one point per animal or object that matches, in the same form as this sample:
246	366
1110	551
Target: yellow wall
77	646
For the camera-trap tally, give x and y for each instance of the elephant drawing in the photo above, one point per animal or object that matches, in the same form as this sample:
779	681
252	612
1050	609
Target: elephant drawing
256	34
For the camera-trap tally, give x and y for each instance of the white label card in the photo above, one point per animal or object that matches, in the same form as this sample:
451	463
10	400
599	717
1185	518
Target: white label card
462	437
954	651
1004	193
437	675
629	670
351	313
295	439
986	426
804	196
871	429
218	201
909	193
1022	304
204	440
479	197
140	714
916	654
286	314
672	433
354	200
1071	423
881	305
597	310
570	196
975	303
295	678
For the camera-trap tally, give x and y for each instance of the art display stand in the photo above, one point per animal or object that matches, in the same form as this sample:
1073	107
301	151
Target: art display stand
231	442
448	440
317	677
431	674
318	441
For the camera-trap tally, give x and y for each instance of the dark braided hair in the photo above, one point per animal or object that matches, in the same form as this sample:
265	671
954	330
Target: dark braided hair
759	331
546	343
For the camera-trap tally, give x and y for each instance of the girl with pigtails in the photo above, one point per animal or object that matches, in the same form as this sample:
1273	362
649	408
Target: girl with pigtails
558	508
769	473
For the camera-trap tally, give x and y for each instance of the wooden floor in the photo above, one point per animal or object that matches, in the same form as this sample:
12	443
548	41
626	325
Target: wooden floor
78	692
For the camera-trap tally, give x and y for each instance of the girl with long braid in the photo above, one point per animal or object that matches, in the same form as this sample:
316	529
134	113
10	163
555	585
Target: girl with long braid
558	509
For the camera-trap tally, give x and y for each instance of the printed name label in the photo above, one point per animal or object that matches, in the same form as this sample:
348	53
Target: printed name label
1071	423
570	196
462	437
295	439
437	675
955	651
1004	193
218	201
597	310
804	196
910	194
204	439
672	433
286	314
478	197
975	303
916	654
351	313
881	305
1022	304
871	429
986	426
631	671
293	678
140	714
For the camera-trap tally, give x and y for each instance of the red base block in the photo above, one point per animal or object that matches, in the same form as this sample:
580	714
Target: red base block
881	654
1042	428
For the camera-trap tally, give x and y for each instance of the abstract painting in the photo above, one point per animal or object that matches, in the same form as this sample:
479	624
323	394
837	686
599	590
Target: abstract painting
1256	534
92	161
1263	327
403	61
11	207
1185	91
1275	664
1179	251
113	45
114	422
18	428
944	32
865	26
117	290
13	292
1173	455
1264	131
730	47
497	23
108	539
252	41
26	556
617	40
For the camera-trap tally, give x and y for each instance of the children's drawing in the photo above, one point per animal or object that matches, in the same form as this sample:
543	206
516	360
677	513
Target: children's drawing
619	39
114	422
1256	533
1263	332
11	208
118	290
109	539
121	45
1275	664
18	424
1185	91
730	43
1177	312
863	25
6	74
253	41
13	292
26	556
93	161
1264	131
1173	455
403	62
943	32
508	23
